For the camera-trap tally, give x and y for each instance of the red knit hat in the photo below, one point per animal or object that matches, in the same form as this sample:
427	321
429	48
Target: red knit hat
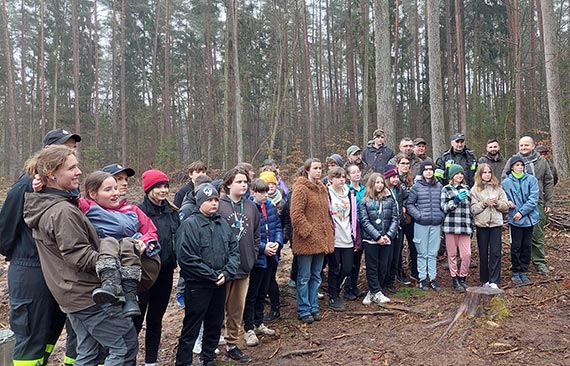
152	178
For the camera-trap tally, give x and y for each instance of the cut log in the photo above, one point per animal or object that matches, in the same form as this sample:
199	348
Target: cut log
483	303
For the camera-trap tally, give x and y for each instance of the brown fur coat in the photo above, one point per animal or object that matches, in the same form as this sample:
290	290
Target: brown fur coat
313	231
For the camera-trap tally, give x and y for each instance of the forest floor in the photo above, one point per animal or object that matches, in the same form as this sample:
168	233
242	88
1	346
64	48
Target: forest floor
536	332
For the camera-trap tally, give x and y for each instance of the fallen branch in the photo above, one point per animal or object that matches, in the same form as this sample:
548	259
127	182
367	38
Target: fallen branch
276	349
552	297
301	352
441	323
378	312
505	352
401	308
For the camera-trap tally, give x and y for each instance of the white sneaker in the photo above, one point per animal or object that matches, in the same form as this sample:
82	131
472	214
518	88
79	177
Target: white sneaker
493	285
320	296
222	341
250	338
197	347
263	330
379	298
367	299
217	351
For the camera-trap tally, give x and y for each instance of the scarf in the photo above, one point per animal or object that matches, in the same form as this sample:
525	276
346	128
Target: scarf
276	197
529	161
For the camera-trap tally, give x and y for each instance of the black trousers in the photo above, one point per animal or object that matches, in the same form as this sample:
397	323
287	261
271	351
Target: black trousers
255	298
273	291
521	243
376	258
340	267
489	244
153	304
353	279
395	260
35	316
408	233
204	304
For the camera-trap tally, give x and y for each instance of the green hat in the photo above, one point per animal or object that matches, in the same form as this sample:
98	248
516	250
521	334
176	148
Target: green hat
454	169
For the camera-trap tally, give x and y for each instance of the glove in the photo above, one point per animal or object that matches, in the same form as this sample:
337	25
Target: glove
462	195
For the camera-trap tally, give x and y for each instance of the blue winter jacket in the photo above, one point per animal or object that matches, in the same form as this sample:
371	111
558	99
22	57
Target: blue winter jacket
424	203
273	226
524	194
371	211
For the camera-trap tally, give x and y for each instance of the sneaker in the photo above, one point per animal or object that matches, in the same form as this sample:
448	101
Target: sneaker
542	269
222	341
307	319
349	295
367	299
391	289
317	316
493	285
197	348
237	355
487	285
516	278
263	330
320	296
180	301
472	264
379	298
405	279
435	285
525	280
251	339
273	316
337	304
292	283
423	285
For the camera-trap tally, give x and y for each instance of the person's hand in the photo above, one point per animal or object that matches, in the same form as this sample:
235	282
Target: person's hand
517	216
141	246
491	201
271	249
511	204
37	183
462	194
547	210
221	279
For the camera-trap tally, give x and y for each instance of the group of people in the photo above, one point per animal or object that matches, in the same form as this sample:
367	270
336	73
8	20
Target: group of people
103	266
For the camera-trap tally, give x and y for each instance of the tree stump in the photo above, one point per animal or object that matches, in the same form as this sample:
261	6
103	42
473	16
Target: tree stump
480	303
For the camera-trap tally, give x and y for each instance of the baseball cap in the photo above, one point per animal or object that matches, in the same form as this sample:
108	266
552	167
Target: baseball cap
352	150
458	136
117	168
59	137
419	140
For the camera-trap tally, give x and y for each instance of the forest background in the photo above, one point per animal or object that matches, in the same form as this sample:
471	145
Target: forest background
160	83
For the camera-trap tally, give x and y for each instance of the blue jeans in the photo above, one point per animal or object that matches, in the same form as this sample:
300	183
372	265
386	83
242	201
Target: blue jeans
308	282
427	239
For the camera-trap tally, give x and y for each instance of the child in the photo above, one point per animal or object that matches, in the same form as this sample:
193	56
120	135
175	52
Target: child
522	194
457	225
208	255
424	206
260	275
379	223
343	211
393	184
351	291
488	204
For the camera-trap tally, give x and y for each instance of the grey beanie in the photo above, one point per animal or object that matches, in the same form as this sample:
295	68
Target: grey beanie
205	192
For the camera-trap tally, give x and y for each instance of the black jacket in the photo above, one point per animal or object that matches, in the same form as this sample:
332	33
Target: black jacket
166	220
179	196
206	247
371	211
465	158
16	242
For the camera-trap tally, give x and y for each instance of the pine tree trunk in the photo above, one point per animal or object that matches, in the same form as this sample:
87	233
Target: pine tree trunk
351	72
123	86
396	59
75	31
365	85
451	85
383	70
96	56
41	67
461	101
237	83
307	84
419	112
435	84
167	127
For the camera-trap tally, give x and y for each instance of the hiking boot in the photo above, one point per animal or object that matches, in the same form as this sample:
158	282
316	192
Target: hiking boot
435	285
307	319
463	282
423	285
131	277
349	295
516	278
456	285
317	316
273	316
263	330
367	299
251	339
337	304
525	280
380	298
542	269
237	355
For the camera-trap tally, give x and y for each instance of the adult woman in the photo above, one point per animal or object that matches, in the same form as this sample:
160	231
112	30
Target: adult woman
313	235
488	204
154	301
68	247
407	224
424	205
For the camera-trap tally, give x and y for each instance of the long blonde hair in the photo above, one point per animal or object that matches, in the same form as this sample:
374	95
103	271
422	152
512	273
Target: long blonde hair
370	193
479	183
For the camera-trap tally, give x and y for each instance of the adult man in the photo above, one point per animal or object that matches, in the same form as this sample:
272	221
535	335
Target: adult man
354	156
420	153
407	148
35	316
494	158
122	176
458	154
543	151
377	155
195	169
538	166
